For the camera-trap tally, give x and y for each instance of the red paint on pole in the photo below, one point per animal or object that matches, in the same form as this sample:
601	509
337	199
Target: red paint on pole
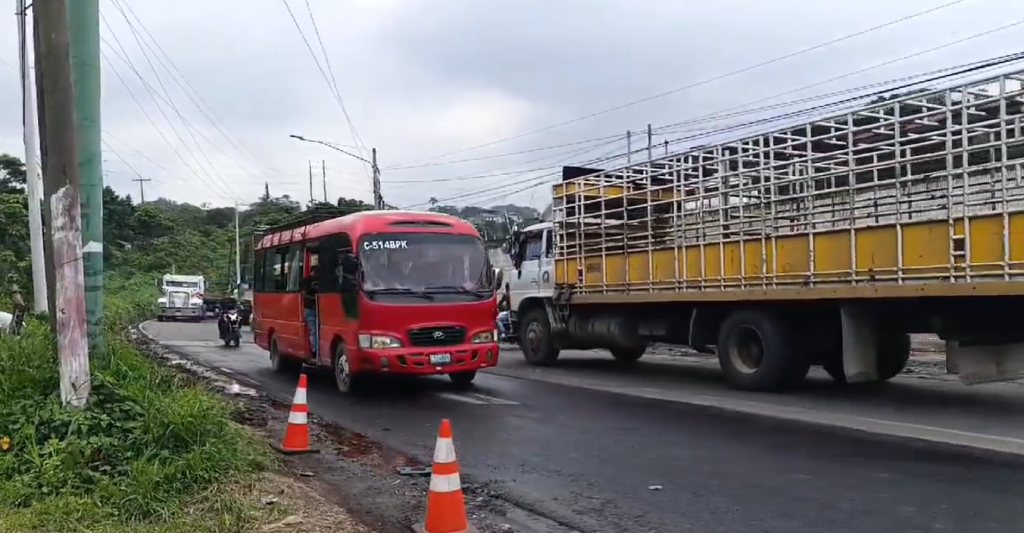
72	340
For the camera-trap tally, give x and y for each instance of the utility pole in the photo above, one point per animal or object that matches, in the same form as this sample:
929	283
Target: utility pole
84	18
378	200
238	258
629	147
311	198
142	188
650	143
33	178
63	204
323	166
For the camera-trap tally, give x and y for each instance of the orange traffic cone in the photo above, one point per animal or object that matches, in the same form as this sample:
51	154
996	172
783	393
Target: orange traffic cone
296	435
446	507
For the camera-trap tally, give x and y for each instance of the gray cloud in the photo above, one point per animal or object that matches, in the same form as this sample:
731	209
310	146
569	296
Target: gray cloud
423	78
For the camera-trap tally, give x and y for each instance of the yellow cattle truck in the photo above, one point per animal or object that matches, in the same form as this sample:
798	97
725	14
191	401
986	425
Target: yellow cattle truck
823	243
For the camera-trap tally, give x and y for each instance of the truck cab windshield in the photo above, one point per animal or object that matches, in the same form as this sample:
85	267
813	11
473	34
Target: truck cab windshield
447	267
182	285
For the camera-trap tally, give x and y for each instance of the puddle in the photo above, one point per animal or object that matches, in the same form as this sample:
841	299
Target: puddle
359	447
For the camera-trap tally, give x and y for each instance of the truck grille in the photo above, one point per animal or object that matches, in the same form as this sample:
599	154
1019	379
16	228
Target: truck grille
177	299
439	336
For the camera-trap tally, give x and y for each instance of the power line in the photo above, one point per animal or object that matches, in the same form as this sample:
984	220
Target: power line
714	117
706	81
958	73
169	100
506	154
866	69
471	177
486	190
332	88
159	131
189	90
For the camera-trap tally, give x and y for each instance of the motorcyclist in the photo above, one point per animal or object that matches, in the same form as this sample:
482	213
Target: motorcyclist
222	318
504	324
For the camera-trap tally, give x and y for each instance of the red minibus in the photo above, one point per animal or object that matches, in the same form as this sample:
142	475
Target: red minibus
394	292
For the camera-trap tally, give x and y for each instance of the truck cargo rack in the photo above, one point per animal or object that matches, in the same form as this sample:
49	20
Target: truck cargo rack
922	188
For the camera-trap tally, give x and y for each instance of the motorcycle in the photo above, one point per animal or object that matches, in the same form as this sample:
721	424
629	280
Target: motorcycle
231	328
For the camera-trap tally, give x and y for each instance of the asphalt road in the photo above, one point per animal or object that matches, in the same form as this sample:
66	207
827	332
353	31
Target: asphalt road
601	461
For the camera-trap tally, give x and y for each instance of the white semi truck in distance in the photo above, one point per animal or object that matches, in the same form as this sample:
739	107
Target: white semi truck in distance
823	243
182	298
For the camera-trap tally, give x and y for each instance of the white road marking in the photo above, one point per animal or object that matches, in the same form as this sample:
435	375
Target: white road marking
822	417
476	399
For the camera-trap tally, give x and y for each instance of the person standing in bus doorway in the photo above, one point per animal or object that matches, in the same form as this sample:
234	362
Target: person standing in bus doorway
309	289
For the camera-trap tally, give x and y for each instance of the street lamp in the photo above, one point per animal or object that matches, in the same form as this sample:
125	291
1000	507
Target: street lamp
378	200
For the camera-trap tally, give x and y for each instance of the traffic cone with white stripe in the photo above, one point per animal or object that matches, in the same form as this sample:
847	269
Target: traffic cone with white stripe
296	435
446	507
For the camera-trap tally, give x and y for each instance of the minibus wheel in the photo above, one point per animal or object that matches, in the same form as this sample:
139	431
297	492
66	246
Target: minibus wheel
462	380
279	362
346	381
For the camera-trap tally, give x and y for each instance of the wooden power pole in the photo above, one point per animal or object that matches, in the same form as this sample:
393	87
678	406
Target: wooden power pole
61	199
142	188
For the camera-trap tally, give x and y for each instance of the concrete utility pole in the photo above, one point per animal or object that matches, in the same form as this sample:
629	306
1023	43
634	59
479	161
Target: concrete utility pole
63	204
378	200
650	143
323	167
85	67
311	197
33	177
238	257
142	188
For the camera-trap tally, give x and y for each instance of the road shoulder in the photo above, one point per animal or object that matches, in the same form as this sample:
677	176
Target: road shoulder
980	418
352	470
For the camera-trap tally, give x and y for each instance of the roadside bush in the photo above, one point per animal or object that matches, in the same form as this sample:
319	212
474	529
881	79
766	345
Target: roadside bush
147	444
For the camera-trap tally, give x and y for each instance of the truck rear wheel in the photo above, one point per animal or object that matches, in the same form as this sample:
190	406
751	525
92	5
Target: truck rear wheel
628	355
535	339
757	353
893	355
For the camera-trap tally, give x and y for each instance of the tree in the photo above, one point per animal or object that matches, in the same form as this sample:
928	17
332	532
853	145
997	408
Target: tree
12	174
349	205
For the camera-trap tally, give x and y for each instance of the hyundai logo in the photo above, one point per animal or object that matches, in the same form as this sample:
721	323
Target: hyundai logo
438	334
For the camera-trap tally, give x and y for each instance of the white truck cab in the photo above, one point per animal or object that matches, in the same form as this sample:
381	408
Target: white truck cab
182	297
533	266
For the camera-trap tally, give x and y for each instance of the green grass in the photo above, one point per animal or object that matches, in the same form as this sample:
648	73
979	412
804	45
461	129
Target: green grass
149	453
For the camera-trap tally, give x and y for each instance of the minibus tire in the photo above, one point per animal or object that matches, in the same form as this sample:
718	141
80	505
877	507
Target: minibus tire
351	384
462	380
282	364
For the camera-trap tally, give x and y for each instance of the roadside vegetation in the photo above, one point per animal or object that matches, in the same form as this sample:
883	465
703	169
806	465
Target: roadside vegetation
150	453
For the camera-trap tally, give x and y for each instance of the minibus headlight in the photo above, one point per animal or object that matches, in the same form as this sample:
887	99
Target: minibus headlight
483	337
377	342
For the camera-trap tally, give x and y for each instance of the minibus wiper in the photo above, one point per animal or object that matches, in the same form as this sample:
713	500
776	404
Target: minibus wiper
401	290
452	288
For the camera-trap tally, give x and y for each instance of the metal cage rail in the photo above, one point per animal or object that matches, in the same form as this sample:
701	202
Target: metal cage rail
925	188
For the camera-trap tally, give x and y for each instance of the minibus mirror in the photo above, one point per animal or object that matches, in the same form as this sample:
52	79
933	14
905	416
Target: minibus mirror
499	277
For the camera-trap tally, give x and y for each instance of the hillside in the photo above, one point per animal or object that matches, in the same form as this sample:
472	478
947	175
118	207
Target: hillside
163	235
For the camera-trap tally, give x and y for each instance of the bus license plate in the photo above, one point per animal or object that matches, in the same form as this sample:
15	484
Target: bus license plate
440	358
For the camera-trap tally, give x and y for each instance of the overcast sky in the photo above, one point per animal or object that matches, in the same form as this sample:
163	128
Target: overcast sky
424	78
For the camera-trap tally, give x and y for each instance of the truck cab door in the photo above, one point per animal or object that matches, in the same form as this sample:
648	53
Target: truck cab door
546	266
526	279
